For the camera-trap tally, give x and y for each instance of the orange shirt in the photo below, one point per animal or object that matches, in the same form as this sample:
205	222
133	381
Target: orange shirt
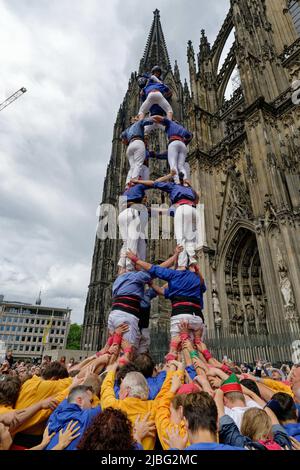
35	390
163	414
133	407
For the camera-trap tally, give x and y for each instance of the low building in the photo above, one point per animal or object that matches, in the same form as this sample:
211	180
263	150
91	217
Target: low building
77	354
29	329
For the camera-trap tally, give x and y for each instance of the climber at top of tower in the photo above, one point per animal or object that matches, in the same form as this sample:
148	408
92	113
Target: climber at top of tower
154	93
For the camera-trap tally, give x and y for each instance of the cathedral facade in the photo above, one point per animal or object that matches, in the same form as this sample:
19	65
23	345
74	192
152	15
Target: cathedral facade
244	161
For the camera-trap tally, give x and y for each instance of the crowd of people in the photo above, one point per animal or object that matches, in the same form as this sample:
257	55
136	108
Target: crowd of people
191	401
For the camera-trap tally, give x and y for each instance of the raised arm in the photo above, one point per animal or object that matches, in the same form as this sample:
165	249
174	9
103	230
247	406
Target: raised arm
149	183
172	260
148	266
138	262
162	179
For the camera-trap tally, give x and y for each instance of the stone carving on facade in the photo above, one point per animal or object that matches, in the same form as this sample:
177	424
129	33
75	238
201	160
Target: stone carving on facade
270	214
238	204
286	289
250	316
251	170
216	309
232	308
262	319
216	304
240	319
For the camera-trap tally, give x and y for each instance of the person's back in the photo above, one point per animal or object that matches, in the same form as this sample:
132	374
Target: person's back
54	382
133	400
129	283
212	446
286	412
173	129
201	417
135	193
177	192
236	405
76	408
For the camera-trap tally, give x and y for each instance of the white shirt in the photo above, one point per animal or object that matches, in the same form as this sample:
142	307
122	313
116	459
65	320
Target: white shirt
237	412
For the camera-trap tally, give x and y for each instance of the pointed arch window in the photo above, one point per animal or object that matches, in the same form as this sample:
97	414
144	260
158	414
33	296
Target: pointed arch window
294	9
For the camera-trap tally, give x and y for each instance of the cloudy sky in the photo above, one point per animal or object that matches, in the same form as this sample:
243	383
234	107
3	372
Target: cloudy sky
75	58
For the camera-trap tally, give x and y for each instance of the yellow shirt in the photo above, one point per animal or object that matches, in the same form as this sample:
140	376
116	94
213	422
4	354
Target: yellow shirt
133	407
35	390
163	421
278	386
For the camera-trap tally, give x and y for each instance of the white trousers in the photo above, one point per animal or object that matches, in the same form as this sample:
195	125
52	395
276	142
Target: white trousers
187	169
177	153
117	317
132	226
144	344
195	323
136	155
144	173
185	228
155	97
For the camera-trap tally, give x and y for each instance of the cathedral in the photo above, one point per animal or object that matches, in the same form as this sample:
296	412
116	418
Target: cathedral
244	161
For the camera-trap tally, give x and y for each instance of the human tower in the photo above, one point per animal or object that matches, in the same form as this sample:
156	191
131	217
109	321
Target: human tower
134	288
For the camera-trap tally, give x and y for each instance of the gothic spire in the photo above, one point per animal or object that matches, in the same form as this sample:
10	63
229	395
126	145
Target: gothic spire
204	46
156	52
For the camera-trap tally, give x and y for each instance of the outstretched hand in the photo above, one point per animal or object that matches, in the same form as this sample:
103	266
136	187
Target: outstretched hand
184	326
68	435
176	383
175	441
178	249
121	329
157	118
49	403
143	428
130	255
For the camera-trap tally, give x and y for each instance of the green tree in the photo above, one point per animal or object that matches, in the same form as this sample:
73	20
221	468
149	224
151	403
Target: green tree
74	336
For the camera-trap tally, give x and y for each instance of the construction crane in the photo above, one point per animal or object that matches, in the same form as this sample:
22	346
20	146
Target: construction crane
12	98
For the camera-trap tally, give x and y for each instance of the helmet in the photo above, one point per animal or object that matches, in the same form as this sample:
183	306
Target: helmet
156	68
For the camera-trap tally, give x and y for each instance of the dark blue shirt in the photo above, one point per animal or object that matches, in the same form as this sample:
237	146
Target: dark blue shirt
136	192
135	130
152	86
61	417
173	128
156	110
191	371
180	283
148	296
293	430
131	283
176	191
211	446
229	434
